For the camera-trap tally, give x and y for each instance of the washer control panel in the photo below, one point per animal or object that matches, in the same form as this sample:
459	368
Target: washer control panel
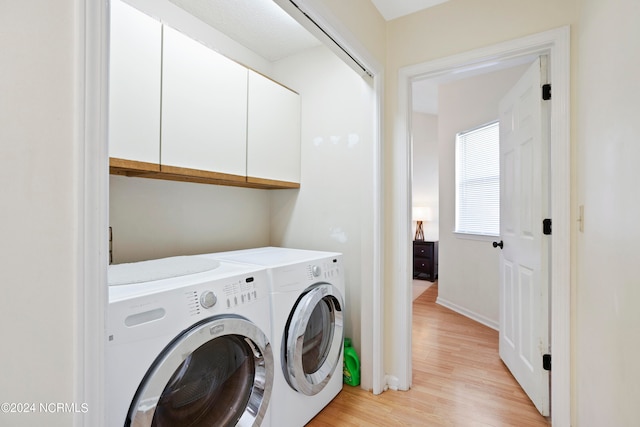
208	299
316	271
225	295
239	292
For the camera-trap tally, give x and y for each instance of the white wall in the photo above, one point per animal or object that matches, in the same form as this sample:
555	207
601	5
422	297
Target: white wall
361	19
425	188
38	152
154	218
333	210
468	275
607	292
40	217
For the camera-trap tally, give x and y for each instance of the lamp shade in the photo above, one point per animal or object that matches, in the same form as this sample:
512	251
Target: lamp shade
422	213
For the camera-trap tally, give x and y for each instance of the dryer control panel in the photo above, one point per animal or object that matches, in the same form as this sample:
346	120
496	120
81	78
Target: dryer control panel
327	269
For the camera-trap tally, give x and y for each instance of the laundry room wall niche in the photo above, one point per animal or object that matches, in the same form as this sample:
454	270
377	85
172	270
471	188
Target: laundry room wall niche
154	219
332	210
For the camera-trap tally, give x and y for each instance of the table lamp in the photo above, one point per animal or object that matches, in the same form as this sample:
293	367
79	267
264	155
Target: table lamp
420	214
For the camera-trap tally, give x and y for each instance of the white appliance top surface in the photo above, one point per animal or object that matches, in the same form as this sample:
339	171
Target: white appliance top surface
148	277
272	256
158	269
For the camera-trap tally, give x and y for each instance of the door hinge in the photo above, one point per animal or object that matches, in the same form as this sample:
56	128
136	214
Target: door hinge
110	245
546	92
546	226
546	362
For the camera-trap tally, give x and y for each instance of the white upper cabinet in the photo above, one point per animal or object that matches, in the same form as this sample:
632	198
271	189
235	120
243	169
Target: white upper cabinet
273	139
134	85
204	108
180	110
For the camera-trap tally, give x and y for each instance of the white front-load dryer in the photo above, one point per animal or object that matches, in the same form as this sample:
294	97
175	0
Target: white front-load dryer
307	300
188	344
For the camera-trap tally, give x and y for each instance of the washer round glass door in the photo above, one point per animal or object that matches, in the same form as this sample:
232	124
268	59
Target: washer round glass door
219	372
313	339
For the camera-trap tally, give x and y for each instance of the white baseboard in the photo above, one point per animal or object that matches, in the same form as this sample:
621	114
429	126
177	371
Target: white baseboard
468	313
392	382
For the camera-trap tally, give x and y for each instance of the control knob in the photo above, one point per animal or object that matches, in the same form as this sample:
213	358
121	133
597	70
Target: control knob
315	270
208	299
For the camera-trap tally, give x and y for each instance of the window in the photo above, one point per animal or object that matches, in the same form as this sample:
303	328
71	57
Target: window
478	181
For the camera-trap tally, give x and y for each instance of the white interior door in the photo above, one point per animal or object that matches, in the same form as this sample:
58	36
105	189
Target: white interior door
524	260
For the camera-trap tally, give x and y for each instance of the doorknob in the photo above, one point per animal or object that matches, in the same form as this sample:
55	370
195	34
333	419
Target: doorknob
496	244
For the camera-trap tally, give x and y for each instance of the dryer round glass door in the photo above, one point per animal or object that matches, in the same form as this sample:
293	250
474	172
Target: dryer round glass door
313	339
219	372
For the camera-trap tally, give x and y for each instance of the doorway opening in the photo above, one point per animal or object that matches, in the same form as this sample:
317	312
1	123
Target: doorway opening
443	108
470	99
555	44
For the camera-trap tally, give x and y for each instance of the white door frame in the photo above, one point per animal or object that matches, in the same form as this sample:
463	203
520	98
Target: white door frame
92	193
556	44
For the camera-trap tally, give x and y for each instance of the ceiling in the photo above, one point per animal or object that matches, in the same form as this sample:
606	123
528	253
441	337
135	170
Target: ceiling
392	9
263	27
259	25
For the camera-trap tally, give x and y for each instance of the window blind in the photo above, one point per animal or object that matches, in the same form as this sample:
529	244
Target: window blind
478	181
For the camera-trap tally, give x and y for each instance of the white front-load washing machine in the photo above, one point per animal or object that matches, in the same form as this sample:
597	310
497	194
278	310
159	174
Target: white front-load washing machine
188	344
307	300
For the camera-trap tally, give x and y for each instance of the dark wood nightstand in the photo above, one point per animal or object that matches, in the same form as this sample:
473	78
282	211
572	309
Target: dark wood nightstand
425	260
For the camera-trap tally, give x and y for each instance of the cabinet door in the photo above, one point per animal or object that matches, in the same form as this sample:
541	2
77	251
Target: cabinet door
204	108
273	140
134	85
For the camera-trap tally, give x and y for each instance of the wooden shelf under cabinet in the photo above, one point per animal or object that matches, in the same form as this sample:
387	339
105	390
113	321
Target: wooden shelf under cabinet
425	260
148	170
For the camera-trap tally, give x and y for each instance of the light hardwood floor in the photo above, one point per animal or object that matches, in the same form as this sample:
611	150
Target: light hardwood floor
458	380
